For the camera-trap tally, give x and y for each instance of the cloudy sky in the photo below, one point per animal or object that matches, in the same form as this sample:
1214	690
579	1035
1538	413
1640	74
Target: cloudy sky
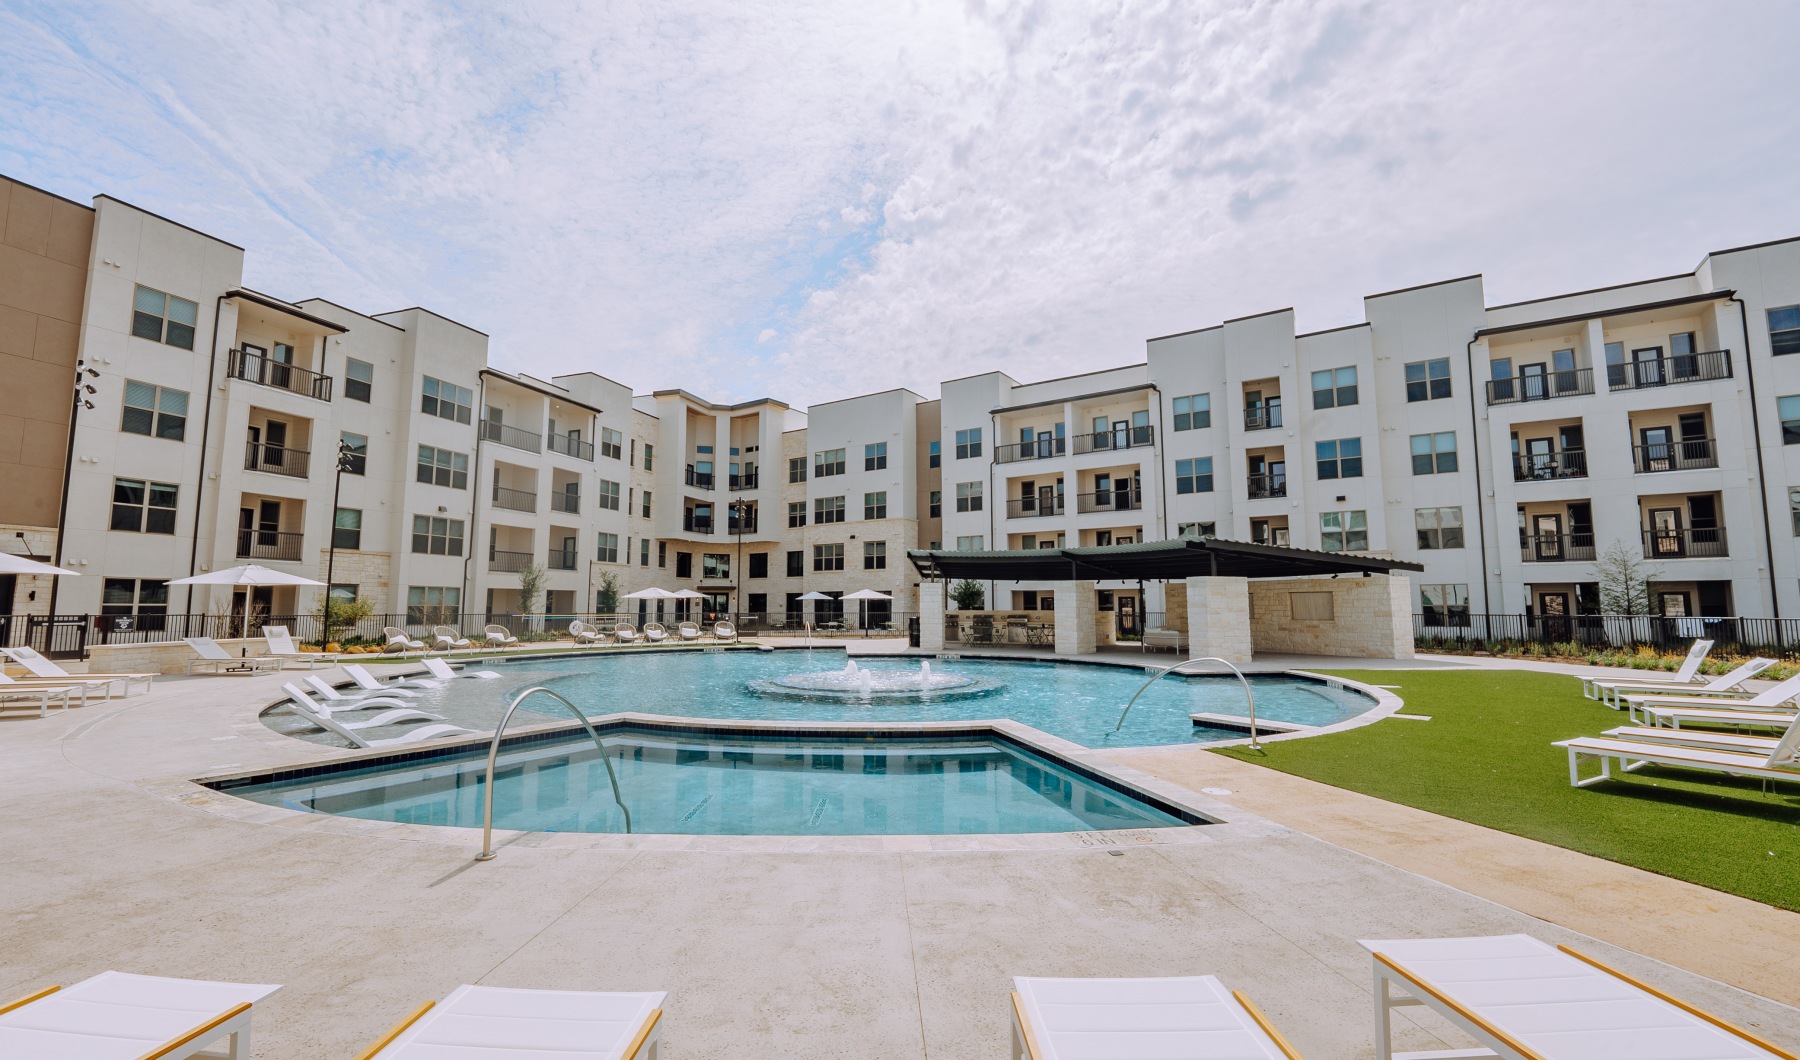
812	200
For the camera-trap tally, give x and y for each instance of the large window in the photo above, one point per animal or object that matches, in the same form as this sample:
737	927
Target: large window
442	467
143	507
796	564
874	555
875	505
828	462
828	510
612	444
936	505
1439	527
1789	410
359	379
355	448
971	543
1334	388
1193	412
609	548
437	536
164	318
609	495
796	514
968	443
1344	531
1428	380
1784	330
828	557
796	469
426	604
1340	458
1194	476
446	401
968	496
1434	454
715	565
759	565
346	529
146	600
155	411
935	451
1445	605
875	456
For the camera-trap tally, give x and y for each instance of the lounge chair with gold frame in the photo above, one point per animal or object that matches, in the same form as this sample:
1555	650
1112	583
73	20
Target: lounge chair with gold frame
132	1017
1193	1017
488	1020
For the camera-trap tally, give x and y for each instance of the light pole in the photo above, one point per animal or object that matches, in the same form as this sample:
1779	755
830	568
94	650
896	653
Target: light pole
79	401
346	460
740	509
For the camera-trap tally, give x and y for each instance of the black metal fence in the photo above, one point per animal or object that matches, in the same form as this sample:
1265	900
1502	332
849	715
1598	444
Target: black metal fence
1459	630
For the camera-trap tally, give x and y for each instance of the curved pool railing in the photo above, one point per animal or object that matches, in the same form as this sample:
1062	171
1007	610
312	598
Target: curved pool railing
487	810
1249	696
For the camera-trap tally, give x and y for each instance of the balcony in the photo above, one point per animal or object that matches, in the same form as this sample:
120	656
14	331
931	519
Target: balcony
699	479
565	502
1544	467
1557	548
276	459
268	544
1034	507
264	371
734	525
562	559
515	500
1110	501
696	526
1675	456
1262	486
508	562
1664	371
512	437
1262	417
1117	438
575	447
1542	386
1708	543
1037	449
748	481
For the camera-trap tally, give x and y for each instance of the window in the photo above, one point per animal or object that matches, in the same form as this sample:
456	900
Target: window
143	507
936	453
937	504
154	411
609	495
145	599
446	401
643	552
828	510
828	557
796	469
828	462
968	443
1428	380
1196	530
1445	605
1341	458
164	318
715	565
796	513
1433	454
1334	388
1439	527
684	564
1790	419
875	505
644	509
346	529
796	564
633	460
1794	508
359	379
612	444
875	456
874	555
435	536
968	496
759	565
355	448
432	603
1784	329
442	467
609	549
1344	531
662	553
1194	476
1193	412
971	543
649	457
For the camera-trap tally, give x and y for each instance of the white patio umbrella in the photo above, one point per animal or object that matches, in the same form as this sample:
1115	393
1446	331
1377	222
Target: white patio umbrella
815	596
247	574
687	594
652	593
11	564
866	594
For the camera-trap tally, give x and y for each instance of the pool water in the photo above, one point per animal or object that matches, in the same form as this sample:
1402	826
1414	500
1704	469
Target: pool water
702	784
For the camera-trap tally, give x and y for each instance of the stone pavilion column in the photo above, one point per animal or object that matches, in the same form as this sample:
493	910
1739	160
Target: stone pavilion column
1077	608
1218	618
931	615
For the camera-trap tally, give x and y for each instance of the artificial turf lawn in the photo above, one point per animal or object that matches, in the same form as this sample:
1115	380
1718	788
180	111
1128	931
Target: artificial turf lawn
1485	757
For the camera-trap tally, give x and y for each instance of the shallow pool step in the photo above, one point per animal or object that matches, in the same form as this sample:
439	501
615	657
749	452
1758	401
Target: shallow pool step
1239	723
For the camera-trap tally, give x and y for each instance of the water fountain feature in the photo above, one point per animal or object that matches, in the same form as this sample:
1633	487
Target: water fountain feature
867	684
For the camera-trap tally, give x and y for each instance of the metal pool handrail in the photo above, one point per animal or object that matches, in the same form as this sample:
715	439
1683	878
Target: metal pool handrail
487	811
1160	674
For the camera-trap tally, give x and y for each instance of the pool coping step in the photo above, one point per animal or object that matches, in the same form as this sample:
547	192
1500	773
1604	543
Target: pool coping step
1239	723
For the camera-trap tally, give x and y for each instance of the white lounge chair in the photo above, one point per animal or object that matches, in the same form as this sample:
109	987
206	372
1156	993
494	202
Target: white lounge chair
369	683
306	706
210	653
445	638
724	631
494	1021
1192	1017
655	633
1709	739
81	689
499	637
309	711
282	647
360	699
1726	685
399	641
42	694
584	633
1770	699
624	633
1674	717
440	669
46	670
688	631
1689	673
124	1016
1781	762
1518	997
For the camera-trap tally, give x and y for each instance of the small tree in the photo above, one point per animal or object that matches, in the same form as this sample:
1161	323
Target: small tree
968	595
1624	578
531	587
334	615
606	598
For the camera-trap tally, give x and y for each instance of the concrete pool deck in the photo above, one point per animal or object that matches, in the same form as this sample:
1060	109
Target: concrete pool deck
880	953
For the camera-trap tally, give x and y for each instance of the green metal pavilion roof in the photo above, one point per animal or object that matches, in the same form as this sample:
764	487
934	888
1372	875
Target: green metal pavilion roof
1183	557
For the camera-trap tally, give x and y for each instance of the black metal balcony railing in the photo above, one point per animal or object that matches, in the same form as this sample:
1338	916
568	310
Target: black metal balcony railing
515	500
1569	463
1663	371
276	459
1109	501
741	526
1262	417
1037	449
1117	438
571	446
748	481
263	370
1542	386
1675	456
268	544
1705	543
561	501
511	436
562	559
699	479
1034	507
1557	548
507	562
1261	486
696	526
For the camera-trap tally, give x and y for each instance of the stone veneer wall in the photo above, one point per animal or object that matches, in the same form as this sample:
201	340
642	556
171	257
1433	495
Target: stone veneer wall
1371	617
369	572
1218	619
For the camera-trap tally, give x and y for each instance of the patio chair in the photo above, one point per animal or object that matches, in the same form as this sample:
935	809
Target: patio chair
654	632
399	641
448	638
1727	685
1774	699
1192	1017
311	712
43	694
47	671
116	1014
723	631
440	669
688	631
499	636
358	700
314	710
584	633
210	653
74	686
488	1020
1517	996
1782	762
624	633
1592	687
1708	739
369	683
282	647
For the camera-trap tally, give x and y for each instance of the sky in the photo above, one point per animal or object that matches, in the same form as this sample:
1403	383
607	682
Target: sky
809	201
